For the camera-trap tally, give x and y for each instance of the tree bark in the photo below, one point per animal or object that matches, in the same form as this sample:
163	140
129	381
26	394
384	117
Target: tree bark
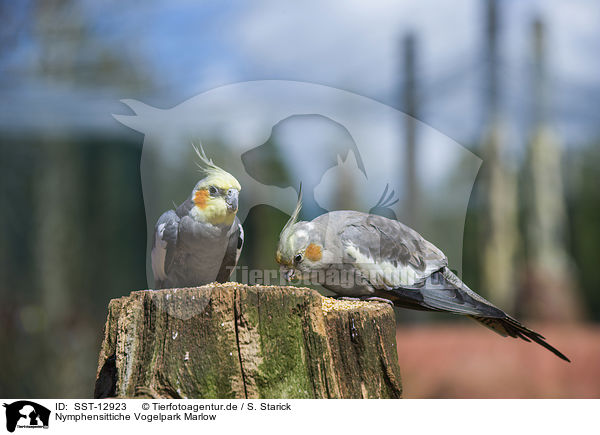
237	341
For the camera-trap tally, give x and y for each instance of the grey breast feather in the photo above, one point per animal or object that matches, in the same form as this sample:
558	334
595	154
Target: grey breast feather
233	252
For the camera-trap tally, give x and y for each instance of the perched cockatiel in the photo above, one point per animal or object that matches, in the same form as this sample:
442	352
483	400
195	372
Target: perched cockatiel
201	240
366	256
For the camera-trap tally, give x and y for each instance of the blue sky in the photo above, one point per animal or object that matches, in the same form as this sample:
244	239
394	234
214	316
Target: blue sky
187	47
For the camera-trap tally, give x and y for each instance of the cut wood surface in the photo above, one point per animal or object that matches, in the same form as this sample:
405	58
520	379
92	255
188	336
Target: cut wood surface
237	341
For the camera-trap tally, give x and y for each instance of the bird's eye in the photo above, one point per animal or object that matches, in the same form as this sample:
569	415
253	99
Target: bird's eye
212	190
298	258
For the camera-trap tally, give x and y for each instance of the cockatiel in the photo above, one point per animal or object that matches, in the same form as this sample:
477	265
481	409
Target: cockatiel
366	256
200	241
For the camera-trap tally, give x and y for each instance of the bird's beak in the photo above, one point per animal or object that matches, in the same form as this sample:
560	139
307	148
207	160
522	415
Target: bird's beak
290	274
231	199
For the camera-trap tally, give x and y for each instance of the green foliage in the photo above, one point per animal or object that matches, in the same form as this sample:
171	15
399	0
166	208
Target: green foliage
584	210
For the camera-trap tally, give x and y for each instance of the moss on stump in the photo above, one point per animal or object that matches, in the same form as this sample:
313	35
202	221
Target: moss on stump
236	341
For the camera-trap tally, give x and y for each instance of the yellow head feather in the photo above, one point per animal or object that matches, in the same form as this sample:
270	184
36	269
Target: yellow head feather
208	208
285	250
214	174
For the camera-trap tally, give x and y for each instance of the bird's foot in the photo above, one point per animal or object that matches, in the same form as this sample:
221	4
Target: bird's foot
366	299
376	299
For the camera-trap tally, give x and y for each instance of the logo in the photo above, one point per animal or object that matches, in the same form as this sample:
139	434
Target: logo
25	414
347	150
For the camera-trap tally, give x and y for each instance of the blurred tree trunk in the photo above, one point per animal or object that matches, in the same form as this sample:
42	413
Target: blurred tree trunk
59	228
500	222
411	198
499	199
549	288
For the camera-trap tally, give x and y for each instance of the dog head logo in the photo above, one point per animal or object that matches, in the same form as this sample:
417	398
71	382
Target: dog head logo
26	414
311	125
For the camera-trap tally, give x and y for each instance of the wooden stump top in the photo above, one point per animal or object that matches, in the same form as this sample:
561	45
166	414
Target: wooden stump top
237	341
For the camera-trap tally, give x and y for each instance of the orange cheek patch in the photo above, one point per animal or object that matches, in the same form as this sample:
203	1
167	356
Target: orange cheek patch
313	252
200	198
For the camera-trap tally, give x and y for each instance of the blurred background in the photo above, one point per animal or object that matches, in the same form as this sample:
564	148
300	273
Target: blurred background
516	83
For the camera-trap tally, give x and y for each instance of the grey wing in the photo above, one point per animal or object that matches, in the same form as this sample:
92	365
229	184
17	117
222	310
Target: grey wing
444	291
435	287
163	248
233	252
389	253
184	208
411	271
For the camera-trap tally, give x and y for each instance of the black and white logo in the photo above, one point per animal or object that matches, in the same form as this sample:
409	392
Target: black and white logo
25	414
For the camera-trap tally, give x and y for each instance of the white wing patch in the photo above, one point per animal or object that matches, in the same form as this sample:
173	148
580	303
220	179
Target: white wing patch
384	274
239	249
159	253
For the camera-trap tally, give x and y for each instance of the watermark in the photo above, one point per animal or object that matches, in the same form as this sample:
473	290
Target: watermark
25	414
348	151
74	416
341	277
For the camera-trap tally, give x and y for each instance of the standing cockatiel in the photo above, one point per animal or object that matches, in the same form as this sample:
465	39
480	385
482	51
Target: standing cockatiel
360	255
201	240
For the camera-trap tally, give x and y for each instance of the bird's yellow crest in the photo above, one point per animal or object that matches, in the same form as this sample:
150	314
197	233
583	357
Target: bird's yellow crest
208	195
285	249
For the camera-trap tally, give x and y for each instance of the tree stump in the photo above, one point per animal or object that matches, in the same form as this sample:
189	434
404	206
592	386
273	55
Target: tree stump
236	341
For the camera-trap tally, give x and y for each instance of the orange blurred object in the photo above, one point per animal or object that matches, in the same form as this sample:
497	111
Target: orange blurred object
467	361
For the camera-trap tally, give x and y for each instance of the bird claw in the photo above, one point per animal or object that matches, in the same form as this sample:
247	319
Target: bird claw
366	299
376	299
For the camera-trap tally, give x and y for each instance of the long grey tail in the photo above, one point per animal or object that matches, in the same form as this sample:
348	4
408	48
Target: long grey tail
509	327
444	291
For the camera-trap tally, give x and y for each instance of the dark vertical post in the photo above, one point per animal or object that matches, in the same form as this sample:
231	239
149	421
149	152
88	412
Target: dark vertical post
500	232
539	74
410	105
548	291
492	57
